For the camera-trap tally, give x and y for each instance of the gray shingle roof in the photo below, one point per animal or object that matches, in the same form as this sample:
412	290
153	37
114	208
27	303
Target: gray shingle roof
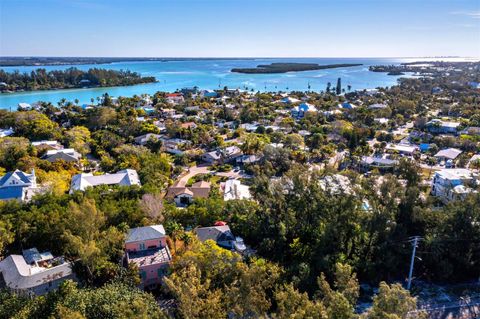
125	177
214	233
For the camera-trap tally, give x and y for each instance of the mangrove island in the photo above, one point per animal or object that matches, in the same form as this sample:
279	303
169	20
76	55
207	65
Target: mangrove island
41	79
290	67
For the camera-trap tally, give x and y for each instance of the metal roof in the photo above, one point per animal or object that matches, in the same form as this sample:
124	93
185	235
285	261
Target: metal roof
145	233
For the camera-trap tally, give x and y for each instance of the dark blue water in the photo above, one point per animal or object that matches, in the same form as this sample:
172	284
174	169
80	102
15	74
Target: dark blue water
212	74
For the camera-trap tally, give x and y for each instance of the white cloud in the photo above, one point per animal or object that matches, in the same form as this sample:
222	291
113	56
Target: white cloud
473	14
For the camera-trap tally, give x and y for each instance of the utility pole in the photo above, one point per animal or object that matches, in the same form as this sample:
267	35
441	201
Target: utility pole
414	242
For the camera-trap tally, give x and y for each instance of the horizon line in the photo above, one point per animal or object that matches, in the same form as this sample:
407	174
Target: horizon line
235	57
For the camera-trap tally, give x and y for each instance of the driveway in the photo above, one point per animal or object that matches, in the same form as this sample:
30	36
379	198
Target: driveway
192	171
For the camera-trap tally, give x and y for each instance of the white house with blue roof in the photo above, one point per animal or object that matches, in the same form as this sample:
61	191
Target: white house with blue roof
18	185
299	111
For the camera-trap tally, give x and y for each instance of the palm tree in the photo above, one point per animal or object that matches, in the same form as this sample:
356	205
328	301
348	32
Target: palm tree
174	230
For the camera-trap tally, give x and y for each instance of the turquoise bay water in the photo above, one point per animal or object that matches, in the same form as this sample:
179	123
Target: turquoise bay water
212	74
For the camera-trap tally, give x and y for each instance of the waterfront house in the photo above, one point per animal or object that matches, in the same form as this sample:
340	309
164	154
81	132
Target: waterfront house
18	185
126	177
34	273
222	235
453	184
24	106
146	247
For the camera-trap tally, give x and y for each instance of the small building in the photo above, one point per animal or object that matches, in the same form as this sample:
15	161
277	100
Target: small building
299	111
68	155
24	106
54	145
126	177
174	98
167	112
226	155
377	106
34	273
6	132
146	247
247	159
448	154
18	185
234	189
453	183
382	164
474	161
347	106
188	125
223	236
174	145
209	94
336	184
144	139
184	196
381	120
472	130
402	149
249	127
290	100
213	157
438	126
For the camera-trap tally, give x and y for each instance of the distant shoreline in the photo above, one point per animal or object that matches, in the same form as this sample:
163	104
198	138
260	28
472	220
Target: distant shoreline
290	67
59	61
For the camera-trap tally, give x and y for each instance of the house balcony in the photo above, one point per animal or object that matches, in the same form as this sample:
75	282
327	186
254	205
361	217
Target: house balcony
151	256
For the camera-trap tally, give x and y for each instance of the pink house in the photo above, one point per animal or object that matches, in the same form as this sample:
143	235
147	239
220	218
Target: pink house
147	248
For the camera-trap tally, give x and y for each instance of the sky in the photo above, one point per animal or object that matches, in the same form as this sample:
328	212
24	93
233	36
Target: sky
240	28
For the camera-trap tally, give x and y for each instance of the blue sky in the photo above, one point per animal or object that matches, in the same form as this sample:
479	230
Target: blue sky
240	28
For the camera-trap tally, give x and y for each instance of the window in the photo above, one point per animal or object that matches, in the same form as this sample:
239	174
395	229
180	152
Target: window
141	246
143	275
161	272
